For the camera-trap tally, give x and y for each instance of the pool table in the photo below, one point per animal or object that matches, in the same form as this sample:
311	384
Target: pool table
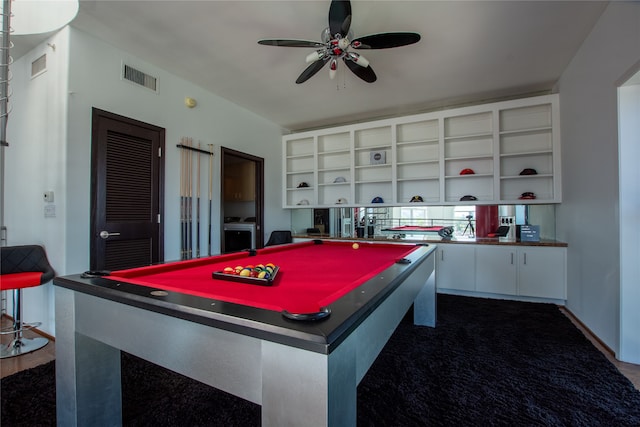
297	345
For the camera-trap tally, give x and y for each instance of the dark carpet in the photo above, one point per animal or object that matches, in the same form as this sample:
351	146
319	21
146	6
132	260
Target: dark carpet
488	362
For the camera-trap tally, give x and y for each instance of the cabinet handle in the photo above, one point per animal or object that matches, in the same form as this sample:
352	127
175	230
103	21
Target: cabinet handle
511	258
525	258
441	255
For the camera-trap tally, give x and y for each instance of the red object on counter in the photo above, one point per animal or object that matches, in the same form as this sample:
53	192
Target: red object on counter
487	220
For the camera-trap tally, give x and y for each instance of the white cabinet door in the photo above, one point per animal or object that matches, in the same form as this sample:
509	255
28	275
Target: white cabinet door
496	270
542	272
456	267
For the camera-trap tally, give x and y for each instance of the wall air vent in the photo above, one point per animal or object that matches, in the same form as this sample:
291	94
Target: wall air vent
39	66
140	78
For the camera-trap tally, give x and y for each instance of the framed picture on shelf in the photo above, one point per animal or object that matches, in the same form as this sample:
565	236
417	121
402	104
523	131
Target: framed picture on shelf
378	157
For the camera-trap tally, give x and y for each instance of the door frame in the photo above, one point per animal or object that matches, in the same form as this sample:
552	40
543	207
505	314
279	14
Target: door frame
97	168
259	186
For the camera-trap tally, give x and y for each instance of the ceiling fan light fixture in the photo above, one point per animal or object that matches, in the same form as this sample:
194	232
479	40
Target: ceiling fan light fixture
315	56
333	68
358	59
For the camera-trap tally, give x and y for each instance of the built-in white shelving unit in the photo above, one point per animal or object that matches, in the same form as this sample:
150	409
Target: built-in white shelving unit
423	155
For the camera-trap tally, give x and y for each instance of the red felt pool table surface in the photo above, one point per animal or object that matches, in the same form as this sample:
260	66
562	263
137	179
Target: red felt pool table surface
311	275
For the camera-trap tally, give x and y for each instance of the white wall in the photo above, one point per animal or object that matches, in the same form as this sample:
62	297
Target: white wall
35	162
588	217
629	112
95	69
50	135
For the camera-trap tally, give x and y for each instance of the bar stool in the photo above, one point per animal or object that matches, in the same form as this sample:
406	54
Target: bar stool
22	267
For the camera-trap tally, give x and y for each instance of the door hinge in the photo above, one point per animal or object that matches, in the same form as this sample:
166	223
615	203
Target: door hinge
159	151
158	219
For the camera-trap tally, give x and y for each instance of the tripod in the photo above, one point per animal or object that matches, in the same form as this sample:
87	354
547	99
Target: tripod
469	225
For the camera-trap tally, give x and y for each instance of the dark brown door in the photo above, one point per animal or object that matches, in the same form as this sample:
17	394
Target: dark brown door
127	176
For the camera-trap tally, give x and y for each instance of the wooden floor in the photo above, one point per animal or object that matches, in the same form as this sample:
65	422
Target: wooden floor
15	364
629	370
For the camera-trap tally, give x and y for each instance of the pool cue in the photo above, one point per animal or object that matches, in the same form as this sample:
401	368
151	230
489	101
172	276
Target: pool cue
210	190
190	203
186	183
198	204
183	234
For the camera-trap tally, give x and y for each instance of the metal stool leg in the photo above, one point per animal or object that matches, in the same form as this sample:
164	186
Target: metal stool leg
20	345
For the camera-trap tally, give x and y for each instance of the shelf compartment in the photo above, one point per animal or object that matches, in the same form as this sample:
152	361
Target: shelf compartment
363	158
366	192
468	125
481	187
294	179
511	166
327	177
478	145
526	141
296	196
480	165
417	132
337	160
299	147
371	138
541	186
373	173
417	152
334	142
534	116
329	195
417	170
299	165
428	189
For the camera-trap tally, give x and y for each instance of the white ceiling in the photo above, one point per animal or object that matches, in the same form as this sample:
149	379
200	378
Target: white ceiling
471	51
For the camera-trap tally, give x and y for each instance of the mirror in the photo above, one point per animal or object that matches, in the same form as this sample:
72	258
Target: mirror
417	222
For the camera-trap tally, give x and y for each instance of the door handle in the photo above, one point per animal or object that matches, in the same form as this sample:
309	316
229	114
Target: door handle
105	234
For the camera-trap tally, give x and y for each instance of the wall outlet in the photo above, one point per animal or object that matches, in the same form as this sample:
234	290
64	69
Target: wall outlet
48	196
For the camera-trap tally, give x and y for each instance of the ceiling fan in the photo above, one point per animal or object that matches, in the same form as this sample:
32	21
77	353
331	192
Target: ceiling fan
336	42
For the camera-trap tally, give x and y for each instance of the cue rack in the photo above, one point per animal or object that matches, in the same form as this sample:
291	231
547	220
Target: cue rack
190	166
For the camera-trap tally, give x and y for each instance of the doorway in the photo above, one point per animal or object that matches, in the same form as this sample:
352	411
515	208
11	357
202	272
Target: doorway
127	188
242	201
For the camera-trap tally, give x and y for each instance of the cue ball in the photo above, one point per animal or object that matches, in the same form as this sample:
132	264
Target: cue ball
355	246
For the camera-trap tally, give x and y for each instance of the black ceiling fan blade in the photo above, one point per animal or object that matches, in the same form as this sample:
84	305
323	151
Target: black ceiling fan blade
340	17
311	70
365	73
385	40
290	43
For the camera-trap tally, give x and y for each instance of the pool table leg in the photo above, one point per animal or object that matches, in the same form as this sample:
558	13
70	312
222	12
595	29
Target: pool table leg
81	363
303	388
425	304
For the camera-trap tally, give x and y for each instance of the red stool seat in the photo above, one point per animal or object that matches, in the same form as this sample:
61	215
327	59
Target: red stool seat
20	280
22	267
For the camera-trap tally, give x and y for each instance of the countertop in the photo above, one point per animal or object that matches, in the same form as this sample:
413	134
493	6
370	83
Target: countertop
439	240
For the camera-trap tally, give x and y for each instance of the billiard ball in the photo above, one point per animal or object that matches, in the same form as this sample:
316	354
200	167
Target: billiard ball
355	246
245	273
228	270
